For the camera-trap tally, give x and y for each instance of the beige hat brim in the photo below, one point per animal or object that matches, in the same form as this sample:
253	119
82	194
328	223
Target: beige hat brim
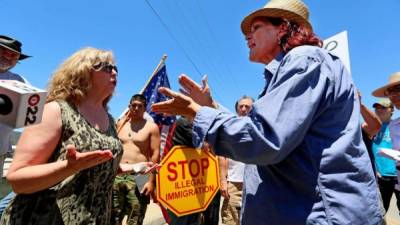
275	13
380	92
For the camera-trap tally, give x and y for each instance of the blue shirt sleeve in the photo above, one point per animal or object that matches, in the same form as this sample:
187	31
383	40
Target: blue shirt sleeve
279	120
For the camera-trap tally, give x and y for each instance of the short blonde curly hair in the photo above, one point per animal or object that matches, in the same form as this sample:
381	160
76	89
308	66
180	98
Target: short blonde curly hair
72	80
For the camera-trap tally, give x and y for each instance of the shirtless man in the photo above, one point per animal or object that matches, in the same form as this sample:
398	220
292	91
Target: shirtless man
141	143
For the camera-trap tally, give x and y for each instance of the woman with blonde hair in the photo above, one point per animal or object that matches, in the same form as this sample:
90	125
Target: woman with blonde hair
63	169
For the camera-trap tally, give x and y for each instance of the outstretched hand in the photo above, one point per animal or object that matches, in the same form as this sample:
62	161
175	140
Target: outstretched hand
83	160
179	104
200	94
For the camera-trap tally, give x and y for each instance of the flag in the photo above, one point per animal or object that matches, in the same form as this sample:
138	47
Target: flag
150	91
165	123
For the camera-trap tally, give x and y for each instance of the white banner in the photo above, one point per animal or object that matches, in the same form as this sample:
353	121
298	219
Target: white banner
338	45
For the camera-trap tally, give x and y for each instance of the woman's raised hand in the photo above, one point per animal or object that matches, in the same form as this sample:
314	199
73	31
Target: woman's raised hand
179	104
200	94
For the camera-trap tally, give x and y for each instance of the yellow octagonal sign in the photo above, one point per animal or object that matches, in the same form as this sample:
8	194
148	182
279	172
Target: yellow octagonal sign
187	180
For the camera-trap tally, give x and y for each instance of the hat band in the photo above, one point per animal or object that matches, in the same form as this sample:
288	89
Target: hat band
11	46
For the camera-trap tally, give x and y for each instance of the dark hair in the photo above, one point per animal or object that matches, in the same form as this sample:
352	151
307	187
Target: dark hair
139	97
240	99
295	36
183	133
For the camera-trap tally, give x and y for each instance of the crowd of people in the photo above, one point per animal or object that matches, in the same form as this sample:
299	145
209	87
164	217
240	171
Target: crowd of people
299	154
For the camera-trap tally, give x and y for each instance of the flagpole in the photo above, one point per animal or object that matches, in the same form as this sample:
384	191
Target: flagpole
125	114
160	64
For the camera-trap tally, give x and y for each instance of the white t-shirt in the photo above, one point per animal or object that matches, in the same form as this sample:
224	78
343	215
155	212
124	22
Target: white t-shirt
235	171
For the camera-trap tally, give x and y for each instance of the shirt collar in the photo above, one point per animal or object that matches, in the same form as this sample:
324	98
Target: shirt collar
272	66
269	71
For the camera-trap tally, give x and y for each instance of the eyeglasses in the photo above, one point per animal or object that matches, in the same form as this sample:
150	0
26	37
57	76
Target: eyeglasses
395	90
106	67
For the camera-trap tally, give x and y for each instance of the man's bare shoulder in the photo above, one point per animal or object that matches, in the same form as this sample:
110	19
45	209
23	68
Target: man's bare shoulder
151	125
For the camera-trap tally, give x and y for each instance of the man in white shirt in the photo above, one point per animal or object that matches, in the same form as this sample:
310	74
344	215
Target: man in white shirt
232	175
10	54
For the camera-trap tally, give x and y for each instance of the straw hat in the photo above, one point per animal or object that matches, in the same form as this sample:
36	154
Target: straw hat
383	102
293	10
394	80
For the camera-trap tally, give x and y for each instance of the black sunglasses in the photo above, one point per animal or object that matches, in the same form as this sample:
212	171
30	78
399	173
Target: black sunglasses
106	67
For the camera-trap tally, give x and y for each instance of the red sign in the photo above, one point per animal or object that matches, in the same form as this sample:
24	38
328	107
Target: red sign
187	180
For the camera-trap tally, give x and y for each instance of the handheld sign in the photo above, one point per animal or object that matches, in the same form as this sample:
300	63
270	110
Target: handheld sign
187	180
389	153
21	104
339	46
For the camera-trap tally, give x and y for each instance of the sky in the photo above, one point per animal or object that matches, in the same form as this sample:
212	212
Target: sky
198	36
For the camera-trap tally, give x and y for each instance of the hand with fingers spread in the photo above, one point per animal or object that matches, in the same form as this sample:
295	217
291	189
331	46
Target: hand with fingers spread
83	160
179	104
200	94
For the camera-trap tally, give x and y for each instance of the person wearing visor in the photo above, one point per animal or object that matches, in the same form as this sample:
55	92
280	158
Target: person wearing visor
392	91
305	159
385	168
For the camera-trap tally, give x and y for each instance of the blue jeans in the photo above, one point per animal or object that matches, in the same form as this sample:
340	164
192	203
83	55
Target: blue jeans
5	201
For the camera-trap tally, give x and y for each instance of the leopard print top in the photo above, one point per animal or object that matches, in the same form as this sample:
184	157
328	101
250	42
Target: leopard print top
83	198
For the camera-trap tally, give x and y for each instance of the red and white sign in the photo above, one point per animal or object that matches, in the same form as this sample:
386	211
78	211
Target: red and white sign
187	180
26	103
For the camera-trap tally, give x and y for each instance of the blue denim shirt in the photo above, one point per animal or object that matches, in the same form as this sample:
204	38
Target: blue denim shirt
303	141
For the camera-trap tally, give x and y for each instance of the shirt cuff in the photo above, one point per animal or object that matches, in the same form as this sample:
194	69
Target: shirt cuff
202	123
